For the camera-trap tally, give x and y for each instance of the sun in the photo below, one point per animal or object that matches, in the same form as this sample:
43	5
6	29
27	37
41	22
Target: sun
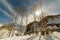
38	12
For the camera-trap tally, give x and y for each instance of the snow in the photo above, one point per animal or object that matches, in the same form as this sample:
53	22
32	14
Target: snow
16	38
4	35
25	37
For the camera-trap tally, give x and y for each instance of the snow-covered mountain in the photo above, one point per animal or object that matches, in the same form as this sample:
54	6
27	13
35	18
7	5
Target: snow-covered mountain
12	31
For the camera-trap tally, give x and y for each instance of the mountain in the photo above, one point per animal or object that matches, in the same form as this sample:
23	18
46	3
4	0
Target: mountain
52	22
32	27
52	19
46	21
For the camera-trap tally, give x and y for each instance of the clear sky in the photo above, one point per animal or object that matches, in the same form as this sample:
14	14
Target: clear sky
8	8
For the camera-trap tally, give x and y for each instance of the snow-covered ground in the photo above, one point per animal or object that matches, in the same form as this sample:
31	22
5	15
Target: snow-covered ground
4	35
16	38
54	36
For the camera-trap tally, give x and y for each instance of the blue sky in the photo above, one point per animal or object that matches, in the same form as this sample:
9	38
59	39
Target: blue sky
8	7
